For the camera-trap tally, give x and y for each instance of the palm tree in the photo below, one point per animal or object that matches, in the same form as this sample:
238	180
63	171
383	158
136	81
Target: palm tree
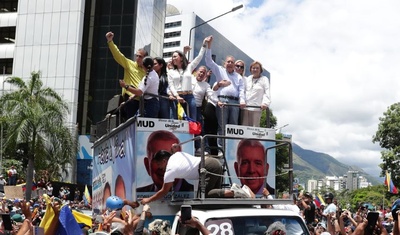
35	116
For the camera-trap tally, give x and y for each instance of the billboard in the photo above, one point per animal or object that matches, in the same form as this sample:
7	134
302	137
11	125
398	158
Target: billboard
154	135
122	163
249	159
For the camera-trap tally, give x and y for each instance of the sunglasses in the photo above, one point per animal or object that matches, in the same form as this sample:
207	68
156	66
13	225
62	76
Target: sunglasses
239	67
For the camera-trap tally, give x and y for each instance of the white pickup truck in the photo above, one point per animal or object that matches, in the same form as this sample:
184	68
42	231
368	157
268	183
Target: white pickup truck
233	217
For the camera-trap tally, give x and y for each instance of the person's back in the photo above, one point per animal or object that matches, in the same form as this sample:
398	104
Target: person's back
182	165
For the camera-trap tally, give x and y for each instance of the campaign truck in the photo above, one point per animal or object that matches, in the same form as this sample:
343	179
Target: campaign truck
122	166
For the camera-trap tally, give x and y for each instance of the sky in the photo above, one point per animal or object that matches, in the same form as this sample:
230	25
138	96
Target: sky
333	66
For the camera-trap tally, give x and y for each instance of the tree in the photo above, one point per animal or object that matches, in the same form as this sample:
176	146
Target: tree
372	194
282	158
34	115
388	136
281	154
271	121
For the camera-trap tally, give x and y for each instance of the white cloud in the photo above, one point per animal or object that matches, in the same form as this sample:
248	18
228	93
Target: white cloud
333	66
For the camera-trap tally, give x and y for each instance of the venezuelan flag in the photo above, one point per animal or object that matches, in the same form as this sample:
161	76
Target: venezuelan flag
82	219
319	200
86	196
389	183
49	216
181	111
68	224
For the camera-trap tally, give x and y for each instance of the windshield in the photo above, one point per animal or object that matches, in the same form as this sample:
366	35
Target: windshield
248	225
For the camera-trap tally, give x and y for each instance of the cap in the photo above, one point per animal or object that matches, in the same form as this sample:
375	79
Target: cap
17	217
309	195
322	225
274	227
162	227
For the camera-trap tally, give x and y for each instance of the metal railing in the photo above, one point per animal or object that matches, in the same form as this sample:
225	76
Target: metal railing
203	172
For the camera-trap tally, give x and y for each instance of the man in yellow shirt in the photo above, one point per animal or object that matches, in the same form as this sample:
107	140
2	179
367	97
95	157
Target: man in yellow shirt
133	74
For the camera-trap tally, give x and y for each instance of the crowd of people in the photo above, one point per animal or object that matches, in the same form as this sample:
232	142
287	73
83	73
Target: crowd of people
232	99
33	211
331	219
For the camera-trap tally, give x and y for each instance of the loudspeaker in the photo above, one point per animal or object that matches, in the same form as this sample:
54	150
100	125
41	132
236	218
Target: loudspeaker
114	103
101	128
105	126
113	122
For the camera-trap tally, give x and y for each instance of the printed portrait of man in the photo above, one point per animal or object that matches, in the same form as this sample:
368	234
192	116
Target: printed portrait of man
252	165
160	140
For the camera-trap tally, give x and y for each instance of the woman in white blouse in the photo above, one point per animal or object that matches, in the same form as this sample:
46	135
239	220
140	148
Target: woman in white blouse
149	84
257	94
180	79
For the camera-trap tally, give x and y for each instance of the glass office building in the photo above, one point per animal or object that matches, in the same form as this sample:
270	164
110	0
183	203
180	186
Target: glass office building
135	24
65	41
182	30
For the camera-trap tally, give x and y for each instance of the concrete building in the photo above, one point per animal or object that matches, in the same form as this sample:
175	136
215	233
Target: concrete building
312	185
65	40
181	30
352	182
363	182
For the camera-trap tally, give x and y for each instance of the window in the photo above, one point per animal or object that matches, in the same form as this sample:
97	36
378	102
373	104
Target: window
172	34
167	54
172	44
6	66
173	24
8	6
7	34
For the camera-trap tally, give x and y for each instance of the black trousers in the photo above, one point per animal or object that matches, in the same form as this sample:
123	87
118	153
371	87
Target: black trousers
211	127
131	107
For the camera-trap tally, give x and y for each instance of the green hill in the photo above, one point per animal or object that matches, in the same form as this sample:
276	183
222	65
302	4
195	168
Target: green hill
308	164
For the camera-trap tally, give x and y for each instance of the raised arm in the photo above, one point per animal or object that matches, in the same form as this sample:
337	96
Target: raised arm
118	56
193	64
209	61
195	223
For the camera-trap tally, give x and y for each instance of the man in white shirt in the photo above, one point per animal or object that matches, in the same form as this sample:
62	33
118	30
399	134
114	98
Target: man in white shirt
12	176
329	209
2	180
230	94
180	165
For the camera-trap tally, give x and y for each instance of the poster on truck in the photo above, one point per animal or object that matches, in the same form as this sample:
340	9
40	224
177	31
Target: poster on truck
114	166
249	160
152	136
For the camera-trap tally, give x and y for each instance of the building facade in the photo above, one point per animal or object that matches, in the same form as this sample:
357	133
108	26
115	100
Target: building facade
352	180
65	41
181	30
